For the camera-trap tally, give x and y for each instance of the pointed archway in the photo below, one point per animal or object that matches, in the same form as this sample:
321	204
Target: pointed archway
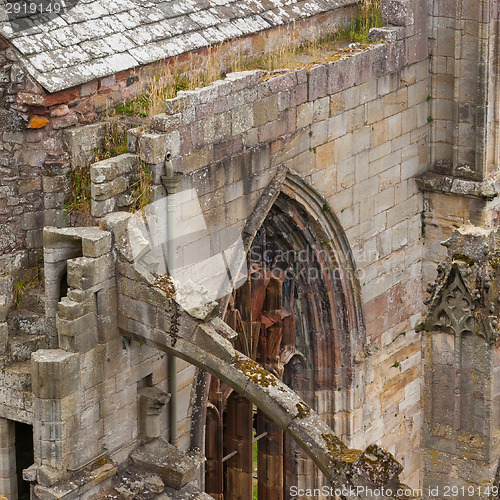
299	316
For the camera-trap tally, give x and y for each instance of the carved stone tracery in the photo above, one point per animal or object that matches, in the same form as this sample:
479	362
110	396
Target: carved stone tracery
454	311
464	297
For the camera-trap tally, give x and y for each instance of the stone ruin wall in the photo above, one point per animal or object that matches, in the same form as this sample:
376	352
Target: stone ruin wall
34	160
357	131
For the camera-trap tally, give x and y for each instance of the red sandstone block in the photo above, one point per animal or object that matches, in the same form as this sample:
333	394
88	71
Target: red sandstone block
64	96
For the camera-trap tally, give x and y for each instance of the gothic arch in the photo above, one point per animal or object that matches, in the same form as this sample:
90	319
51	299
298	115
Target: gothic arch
300	317
326	226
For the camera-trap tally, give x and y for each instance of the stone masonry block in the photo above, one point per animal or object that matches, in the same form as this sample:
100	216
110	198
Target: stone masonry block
106	190
70	328
69	310
242	119
84	272
341	74
97	244
55	373
317	82
397	12
152	148
175	468
165	123
265	110
6	433
108	170
102	208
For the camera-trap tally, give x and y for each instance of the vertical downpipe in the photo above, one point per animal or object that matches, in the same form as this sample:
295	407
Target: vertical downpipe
171	181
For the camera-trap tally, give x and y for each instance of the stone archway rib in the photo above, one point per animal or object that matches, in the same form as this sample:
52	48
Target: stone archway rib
207	344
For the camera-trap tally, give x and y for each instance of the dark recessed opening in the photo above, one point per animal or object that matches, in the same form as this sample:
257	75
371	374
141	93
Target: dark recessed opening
63	286
24	457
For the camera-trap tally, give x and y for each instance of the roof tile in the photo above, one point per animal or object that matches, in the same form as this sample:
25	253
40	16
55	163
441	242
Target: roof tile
96	38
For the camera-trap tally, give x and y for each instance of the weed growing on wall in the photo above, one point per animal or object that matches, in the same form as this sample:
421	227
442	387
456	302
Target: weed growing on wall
141	189
114	144
369	16
32	278
190	74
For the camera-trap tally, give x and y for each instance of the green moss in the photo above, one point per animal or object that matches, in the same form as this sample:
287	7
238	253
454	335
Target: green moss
338	450
464	258
303	410
100	463
494	263
165	284
252	370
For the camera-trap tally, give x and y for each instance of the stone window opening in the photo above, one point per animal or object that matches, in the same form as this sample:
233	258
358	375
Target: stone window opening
287	321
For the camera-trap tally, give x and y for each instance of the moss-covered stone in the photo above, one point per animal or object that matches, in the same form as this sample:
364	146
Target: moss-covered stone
303	410
254	371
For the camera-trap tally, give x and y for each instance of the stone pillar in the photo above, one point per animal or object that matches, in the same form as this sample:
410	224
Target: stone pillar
56	384
8	477
239	438
214	451
464	88
461	408
269	459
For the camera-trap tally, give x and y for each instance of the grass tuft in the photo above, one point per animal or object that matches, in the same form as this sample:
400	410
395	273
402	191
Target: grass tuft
31	279
114	144
171	79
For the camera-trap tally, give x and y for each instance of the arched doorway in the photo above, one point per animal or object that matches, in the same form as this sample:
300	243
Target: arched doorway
292	317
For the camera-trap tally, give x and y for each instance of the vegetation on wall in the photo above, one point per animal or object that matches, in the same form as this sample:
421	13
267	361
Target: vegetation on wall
31	279
114	144
169	80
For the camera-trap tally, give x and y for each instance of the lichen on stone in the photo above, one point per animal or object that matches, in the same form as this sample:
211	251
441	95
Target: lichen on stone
165	284
252	370
464	258
303	410
338	450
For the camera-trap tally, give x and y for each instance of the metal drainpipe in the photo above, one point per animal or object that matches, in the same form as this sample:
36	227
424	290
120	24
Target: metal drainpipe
171	181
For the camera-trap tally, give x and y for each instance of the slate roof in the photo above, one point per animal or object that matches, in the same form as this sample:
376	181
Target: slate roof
97	38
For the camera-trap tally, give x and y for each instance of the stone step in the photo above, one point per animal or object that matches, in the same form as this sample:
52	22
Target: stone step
22	322
34	300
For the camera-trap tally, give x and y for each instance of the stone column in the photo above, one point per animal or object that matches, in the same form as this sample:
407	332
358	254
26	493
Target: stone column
56	383
8	477
269	459
239	438
464	88
461	406
214	479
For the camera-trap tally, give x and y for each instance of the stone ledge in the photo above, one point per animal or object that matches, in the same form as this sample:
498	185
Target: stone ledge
174	467
486	190
79	483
